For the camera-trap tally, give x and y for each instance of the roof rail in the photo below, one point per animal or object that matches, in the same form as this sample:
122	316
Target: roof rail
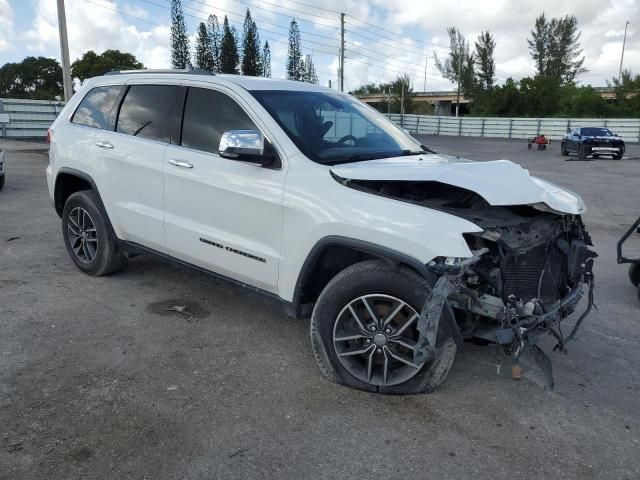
192	71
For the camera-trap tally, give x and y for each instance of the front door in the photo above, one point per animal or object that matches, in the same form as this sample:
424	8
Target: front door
220	214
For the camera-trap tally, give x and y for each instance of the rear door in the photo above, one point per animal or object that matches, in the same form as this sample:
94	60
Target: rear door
94	117
130	162
220	214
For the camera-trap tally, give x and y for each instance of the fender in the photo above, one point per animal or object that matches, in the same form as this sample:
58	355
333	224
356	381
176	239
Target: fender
389	255
384	253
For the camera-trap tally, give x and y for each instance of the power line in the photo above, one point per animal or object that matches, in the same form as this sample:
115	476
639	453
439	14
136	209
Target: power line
253	5
378	54
385	67
405	50
317	8
166	7
394	38
126	14
378	28
263	22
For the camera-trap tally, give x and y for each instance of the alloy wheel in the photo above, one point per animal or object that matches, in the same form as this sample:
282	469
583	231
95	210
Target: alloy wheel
375	339
83	237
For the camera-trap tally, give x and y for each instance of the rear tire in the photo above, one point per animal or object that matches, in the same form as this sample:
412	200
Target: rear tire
89	241
2	181
377	281
563	149
634	274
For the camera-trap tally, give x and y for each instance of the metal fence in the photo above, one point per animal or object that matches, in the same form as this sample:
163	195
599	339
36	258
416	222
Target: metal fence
554	128
32	118
27	118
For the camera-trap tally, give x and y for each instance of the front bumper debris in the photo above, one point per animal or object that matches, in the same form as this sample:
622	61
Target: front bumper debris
518	329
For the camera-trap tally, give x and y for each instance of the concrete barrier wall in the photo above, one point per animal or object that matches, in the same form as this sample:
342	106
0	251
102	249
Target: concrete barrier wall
27	118
495	127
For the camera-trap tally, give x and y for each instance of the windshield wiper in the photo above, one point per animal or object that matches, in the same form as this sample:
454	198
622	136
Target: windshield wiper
357	157
351	159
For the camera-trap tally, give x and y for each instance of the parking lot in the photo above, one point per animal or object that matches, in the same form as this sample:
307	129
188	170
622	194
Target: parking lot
99	380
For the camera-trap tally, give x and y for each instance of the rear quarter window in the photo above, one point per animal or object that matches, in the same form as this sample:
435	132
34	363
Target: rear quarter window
95	108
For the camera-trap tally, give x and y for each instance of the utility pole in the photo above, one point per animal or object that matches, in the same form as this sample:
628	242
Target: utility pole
402	106
624	41
459	78
64	52
342	52
426	59
388	100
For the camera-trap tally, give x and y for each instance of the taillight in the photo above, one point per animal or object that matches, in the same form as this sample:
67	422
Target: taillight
49	136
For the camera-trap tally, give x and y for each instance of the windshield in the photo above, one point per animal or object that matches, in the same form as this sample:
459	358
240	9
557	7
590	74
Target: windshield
596	132
331	128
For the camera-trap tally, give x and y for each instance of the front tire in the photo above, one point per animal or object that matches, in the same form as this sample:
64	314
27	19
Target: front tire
364	331
582	154
2	181
89	241
563	149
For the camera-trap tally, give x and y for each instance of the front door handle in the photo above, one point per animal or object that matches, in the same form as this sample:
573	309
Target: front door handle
102	144
180	163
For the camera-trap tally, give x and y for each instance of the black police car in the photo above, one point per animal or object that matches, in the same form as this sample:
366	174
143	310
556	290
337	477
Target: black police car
592	141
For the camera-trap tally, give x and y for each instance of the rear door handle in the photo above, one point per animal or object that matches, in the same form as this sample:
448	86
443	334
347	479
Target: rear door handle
180	163
102	144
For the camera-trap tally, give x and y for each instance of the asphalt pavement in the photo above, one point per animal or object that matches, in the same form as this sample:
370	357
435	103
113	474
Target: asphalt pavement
99	381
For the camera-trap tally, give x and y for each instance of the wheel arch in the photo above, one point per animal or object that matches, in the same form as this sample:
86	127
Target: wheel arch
332	254
69	181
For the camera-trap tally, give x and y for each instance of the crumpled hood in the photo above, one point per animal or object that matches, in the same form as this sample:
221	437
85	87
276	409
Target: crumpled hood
499	182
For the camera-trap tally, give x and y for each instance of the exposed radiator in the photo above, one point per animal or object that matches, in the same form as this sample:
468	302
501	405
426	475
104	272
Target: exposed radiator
522	274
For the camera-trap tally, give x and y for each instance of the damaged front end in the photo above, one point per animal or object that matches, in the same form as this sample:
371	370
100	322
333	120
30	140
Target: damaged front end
531	267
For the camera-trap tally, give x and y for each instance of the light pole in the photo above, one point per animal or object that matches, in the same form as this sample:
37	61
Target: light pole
64	52
624	41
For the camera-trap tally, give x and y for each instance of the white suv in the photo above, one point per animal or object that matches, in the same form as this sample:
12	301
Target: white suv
308	195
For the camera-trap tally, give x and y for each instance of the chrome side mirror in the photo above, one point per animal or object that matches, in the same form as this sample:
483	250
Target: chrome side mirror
241	144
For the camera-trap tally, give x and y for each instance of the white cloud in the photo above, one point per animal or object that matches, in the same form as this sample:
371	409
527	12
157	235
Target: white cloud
97	26
6	25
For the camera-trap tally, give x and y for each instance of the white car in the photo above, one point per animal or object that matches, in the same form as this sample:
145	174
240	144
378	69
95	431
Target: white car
310	196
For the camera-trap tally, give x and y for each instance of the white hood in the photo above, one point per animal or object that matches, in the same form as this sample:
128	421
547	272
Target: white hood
499	182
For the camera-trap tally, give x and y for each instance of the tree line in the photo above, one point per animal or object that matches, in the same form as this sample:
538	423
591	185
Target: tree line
40	78
554	47
219	49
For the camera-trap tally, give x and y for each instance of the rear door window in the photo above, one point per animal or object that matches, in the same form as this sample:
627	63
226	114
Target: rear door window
95	108
207	115
147	112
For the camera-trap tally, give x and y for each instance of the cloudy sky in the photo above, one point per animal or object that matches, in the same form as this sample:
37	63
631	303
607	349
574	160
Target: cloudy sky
384	37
